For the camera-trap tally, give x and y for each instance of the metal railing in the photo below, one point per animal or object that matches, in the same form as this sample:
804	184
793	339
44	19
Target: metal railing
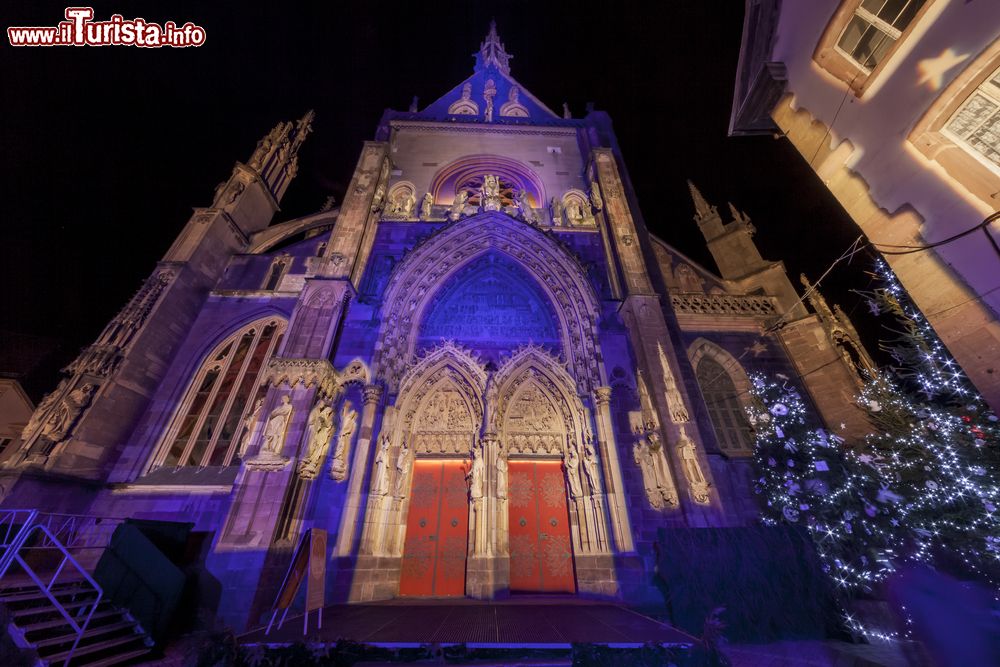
29	532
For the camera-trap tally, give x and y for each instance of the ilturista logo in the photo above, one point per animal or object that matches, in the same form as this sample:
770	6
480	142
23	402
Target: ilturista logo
80	29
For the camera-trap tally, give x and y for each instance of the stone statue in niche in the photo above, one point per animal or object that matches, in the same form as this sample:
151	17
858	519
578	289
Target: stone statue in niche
249	425
380	474
573	213
37	416
490	198
458	207
590	467
467	91
477	472
59	423
425	206
501	476
318	433
524	206
697	483
586	216
556	208
648	456
571	461
348	422
675	403
488	94
595	196
402	467
275	429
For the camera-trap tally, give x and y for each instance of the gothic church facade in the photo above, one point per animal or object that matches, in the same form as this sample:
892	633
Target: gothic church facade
480	374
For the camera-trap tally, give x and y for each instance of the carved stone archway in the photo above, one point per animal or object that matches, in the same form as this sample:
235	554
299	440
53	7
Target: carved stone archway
420	275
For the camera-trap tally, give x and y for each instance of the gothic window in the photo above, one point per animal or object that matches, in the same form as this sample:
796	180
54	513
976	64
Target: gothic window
976	123
724	407
223	390
862	35
275	273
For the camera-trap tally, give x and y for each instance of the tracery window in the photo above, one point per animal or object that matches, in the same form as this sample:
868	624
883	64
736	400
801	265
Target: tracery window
222	393
724	407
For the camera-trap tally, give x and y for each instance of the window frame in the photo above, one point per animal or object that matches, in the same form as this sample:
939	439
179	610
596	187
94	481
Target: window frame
960	161
208	363
829	56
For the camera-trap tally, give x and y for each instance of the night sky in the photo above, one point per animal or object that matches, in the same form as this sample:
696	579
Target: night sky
106	150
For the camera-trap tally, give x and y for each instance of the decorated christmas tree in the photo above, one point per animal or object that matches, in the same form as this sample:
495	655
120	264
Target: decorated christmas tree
935	440
805	476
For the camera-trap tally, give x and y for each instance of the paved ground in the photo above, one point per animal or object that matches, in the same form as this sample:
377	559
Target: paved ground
541	623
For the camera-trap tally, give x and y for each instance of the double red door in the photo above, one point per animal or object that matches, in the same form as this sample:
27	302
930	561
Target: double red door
541	556
437	531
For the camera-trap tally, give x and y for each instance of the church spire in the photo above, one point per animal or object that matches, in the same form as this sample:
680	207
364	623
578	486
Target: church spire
492	52
702	209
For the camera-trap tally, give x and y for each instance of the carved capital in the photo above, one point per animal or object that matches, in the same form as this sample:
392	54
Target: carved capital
602	395
372	394
309	372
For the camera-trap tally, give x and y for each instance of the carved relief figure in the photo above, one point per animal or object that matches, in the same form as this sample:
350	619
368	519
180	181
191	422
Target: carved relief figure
380	475
249	424
595	196
277	425
402	467
40	412
348	422
488	94
425	206
320	429
377	199
644	460
59	423
692	470
678	411
590	467
573	213
501	476
458	206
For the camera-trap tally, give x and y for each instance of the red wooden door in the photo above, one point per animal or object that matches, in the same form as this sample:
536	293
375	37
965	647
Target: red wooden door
541	558
437	531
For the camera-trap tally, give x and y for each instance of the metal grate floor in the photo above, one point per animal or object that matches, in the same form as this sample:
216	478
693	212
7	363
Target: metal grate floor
483	624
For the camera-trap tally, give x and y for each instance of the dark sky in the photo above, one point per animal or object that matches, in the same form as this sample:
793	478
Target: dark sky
105	150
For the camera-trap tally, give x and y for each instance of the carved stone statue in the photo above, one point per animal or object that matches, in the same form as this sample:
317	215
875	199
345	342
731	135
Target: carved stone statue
425	206
501	476
572	213
678	411
377	199
320	428
595	196
571	460
477	473
249	424
566	112
458	206
586	216
402	467
590	467
380	475
61	420
490	198
277	425
414	104
644	460
467	91
348	422
275	429
524	206
692	470
648	456
557	211
409	201
42	410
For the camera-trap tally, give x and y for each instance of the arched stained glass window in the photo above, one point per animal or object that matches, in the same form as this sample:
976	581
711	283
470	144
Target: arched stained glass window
724	407
223	391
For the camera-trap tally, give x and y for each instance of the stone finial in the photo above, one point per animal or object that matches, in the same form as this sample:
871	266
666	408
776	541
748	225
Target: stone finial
566	111
492	52
414	104
701	207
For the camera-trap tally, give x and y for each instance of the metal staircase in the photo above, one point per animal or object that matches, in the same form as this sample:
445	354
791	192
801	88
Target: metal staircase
54	606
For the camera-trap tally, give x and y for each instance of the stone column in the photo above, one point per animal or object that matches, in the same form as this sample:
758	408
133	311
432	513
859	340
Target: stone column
353	501
614	488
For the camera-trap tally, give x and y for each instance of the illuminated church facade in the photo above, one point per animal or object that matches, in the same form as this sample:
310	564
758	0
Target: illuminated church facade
480	374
